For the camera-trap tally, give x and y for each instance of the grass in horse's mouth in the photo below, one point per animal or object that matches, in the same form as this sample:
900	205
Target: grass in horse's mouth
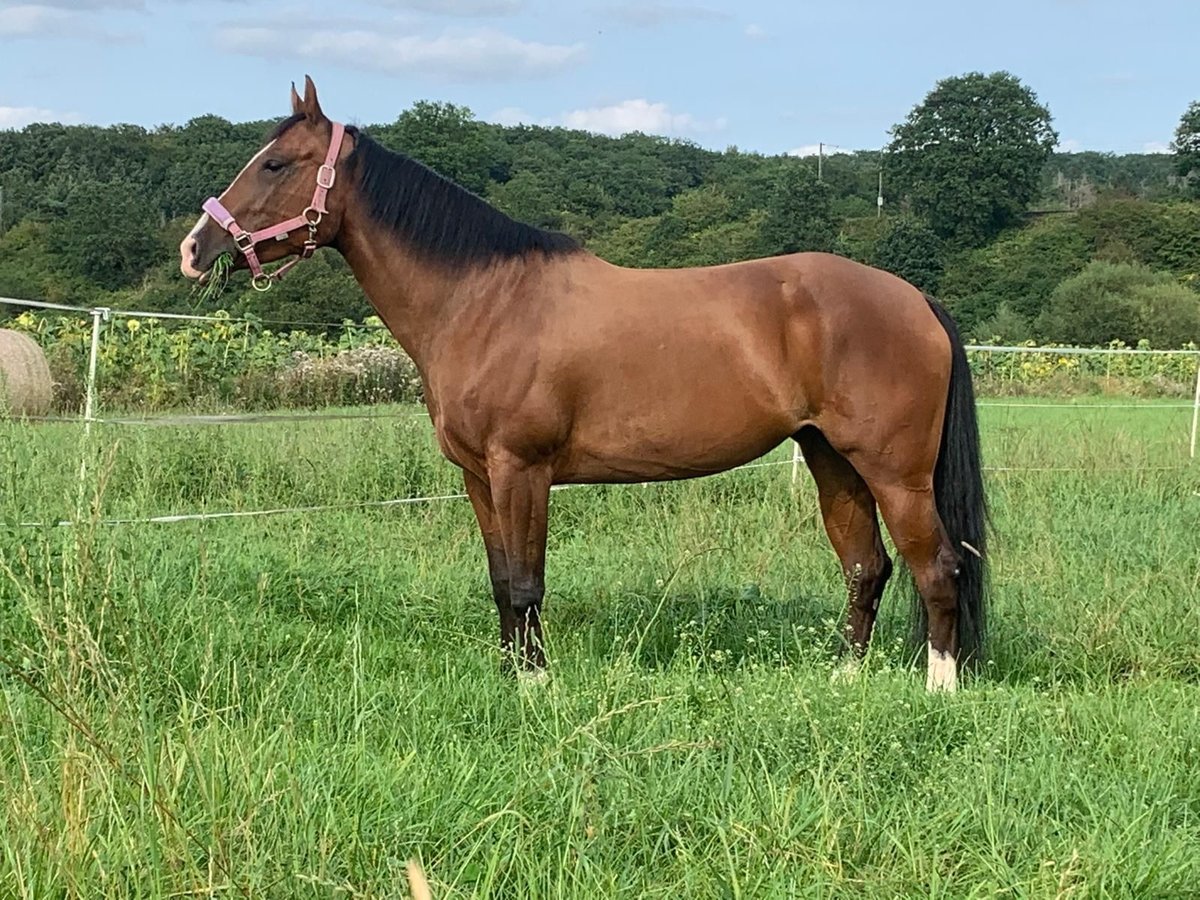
212	283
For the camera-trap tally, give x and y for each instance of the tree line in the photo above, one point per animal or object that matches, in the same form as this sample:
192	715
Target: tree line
979	210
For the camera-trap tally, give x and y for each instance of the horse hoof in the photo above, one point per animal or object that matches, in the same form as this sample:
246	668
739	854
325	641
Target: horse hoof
533	676
846	671
943	672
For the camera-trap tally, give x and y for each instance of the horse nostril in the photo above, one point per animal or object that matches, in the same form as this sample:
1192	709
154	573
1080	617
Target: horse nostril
189	256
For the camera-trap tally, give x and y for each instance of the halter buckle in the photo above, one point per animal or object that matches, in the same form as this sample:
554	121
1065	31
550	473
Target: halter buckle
326	176
244	242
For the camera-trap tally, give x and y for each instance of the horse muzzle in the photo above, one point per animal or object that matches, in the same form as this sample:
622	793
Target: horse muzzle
200	249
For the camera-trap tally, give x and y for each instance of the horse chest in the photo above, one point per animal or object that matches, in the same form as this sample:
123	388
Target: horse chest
459	443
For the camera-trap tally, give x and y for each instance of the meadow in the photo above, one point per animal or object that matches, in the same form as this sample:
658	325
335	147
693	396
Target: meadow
295	705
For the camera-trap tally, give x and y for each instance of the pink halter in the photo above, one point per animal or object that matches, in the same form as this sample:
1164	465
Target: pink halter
246	241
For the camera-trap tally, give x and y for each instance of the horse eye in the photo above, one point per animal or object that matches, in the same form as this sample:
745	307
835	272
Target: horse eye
274	165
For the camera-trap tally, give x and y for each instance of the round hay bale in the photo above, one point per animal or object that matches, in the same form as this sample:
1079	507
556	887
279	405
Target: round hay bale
26	388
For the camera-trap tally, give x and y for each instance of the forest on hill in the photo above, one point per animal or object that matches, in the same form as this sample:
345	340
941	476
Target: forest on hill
1020	241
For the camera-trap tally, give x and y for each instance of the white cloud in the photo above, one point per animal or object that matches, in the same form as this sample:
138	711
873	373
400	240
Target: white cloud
25	21
478	55
1068	145
638	115
465	8
514	115
755	32
1156	147
80	5
814	149
651	13
20	116
61	19
617	119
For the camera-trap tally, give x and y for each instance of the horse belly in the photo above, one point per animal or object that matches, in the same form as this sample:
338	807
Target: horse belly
657	433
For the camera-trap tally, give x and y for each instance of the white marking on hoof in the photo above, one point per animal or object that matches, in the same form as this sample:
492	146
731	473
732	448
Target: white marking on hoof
943	672
847	670
536	677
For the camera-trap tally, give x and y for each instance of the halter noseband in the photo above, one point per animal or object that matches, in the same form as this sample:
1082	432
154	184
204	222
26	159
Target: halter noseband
246	241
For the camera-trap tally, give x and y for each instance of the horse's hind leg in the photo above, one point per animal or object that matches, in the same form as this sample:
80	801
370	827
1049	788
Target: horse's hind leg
912	518
848	509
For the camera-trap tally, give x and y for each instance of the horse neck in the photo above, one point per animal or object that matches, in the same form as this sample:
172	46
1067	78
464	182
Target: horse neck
412	295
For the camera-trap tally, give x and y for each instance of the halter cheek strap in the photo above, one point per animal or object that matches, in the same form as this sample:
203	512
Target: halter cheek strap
247	241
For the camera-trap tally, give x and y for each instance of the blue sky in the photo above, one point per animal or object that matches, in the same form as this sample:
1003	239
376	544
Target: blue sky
764	75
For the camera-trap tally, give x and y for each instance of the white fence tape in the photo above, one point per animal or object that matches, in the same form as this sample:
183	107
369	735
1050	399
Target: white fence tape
329	507
182	317
174	519
39	304
228	419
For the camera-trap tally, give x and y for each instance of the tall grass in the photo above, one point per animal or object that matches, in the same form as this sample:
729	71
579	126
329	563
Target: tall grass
295	706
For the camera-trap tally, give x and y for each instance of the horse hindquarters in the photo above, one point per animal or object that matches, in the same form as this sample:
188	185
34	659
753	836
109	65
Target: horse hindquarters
930	494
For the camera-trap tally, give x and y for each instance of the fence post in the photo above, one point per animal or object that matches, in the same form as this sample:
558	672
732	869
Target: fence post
797	458
1195	409
99	314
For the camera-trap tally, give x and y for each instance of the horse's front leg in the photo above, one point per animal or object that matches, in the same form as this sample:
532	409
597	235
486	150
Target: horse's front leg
521	497
480	493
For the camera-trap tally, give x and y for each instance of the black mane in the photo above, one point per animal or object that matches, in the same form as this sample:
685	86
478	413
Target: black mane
437	217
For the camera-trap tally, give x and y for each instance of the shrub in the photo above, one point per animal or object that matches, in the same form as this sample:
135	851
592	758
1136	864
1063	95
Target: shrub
1120	301
1095	306
352	377
1168	314
1005	327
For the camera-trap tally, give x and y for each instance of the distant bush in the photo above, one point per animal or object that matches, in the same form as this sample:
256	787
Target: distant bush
1168	314
1121	301
355	377
1006	327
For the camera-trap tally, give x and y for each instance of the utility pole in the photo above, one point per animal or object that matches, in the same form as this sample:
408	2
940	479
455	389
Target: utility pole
879	199
820	160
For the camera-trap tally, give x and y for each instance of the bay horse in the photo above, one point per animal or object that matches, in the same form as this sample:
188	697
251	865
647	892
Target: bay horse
543	364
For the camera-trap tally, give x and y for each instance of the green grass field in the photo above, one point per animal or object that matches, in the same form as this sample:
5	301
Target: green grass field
293	706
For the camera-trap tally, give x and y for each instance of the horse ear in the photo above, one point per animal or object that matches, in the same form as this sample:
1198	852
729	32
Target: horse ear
309	106
296	102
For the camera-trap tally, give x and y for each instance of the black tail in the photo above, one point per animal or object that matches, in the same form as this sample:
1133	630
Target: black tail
961	504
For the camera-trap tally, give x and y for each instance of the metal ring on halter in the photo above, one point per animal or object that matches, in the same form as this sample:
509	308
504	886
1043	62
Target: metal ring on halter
261	282
312	223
